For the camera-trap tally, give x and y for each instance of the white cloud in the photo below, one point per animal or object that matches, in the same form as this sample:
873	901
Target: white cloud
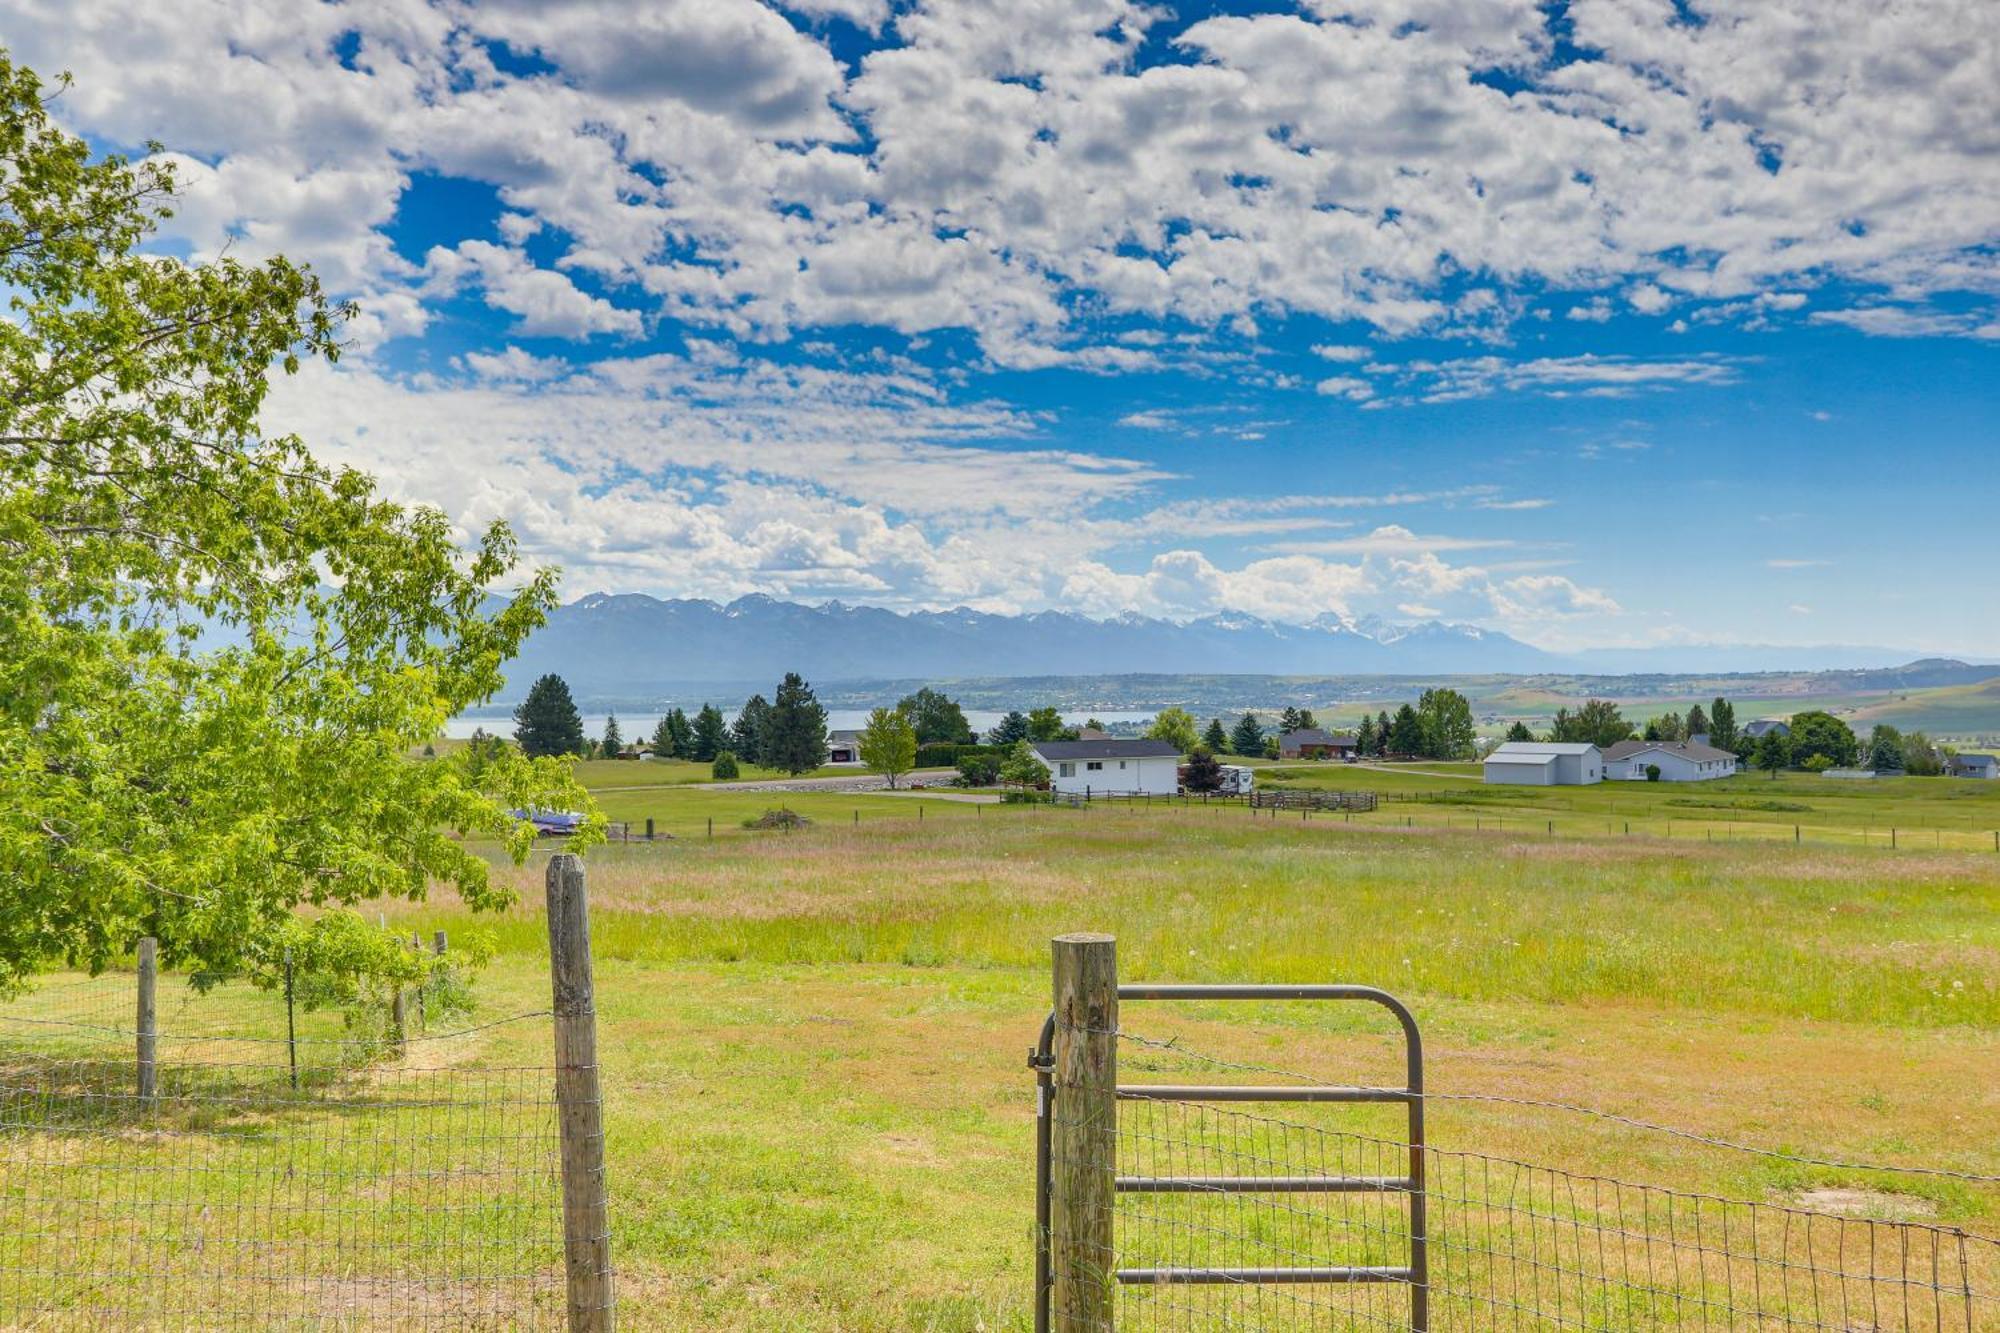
1345	386
546	303
1341	352
1588	375
1788	563
1907	322
1390	539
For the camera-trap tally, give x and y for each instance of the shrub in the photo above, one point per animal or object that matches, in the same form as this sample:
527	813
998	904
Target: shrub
1818	763
978	770
725	766
1652	772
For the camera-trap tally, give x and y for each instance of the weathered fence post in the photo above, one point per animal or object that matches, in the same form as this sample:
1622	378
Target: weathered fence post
579	1103
1084	1142
291	1024
148	1016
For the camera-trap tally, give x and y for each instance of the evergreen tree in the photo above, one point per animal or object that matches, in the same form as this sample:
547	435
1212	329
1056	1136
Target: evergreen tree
1519	732
547	721
1697	723
673	738
1406	732
614	740
1885	749
1215	738
711	734
795	736
1289	720
746	738
1382	729
936	719
1364	739
1010	729
1247	737
1722	732
1773	752
1306	722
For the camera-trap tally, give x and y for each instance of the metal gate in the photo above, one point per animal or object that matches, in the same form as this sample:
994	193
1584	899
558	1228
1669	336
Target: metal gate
1414	1273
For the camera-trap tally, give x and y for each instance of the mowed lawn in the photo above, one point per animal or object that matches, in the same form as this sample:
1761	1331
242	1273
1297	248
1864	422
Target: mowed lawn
820	1114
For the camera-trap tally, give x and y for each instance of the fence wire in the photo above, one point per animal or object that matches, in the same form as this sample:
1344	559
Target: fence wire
332	1181
1512	1245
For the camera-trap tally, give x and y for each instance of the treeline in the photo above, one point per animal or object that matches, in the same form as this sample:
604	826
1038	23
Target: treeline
1817	740
786	732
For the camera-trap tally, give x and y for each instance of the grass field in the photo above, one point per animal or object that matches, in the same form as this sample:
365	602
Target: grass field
818	1111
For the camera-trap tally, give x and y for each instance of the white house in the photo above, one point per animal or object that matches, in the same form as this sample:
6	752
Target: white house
1545	764
843	747
1974	766
1110	767
1678	761
1763	724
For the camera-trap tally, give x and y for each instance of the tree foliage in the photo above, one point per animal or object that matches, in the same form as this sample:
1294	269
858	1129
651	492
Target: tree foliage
1204	773
1722	732
936	718
1406	732
724	768
1597	723
1247	736
1215	738
1773	752
614	740
746	734
1519	732
1816	733
889	744
151	781
1046	724
711	734
795	735
1009	729
546	721
1445	719
1176	727
673	738
1021	767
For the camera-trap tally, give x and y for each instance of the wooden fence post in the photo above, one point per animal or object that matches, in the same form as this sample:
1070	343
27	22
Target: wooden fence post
579	1103
1084	1141
147	1026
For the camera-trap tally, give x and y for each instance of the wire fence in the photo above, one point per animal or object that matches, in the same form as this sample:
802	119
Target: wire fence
274	1169
1187	1210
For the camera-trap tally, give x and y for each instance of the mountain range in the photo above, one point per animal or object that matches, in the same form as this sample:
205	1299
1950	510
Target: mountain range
626	645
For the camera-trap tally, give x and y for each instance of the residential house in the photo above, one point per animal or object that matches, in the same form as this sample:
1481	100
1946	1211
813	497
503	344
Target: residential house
1545	764
1111	767
1312	743
1974	766
843	747
1764	724
1678	761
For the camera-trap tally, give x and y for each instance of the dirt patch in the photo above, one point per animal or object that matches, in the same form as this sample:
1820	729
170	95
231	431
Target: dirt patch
1881	1205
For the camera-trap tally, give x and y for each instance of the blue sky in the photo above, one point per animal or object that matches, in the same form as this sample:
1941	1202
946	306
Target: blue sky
1604	323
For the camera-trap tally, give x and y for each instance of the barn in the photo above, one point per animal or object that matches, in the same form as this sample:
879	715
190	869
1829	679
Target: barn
1545	764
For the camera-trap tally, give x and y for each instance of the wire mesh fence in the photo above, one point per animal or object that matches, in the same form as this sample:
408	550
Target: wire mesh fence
260	1166
1173	1205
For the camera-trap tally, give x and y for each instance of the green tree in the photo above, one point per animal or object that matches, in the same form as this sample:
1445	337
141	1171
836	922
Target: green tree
1666	727
1406	732
1289	719
1722	732
1364	737
1597	723
1092	724
1445	718
614	741
673	738
1885	749
1009	729
1697	724
1022	768
1816	732
1215	739
1382	729
1306	722
546	722
1773	752
1176	727
1046	724
1203	772
724	768
795	739
154	784
889	744
1247	736
1921	758
978	770
937	719
747	732
711	734
1519	732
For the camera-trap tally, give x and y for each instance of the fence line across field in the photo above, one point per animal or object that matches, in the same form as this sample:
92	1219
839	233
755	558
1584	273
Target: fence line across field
196	1159
1189	1206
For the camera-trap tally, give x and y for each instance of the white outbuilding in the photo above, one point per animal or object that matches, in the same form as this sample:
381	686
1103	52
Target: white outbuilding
1545	764
1678	761
1111	767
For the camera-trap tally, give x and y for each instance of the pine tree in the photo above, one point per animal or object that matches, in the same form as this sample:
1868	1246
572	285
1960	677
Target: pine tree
1722	732
1364	739
747	736
614	741
1306	720
1697	722
1289	720
795	735
547	721
1247	737
1519	732
673	738
1011	728
1382	729
1215	738
711	734
1406	732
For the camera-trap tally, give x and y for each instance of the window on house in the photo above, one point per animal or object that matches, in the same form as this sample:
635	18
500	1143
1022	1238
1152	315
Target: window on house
1068	770
1094	766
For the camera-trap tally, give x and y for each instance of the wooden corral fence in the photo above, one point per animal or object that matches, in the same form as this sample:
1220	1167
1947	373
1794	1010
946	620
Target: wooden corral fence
1281	798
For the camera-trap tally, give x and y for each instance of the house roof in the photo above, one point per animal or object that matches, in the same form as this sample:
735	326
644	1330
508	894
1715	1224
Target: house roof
1105	749
1537	752
1976	761
1764	724
1313	736
843	736
1701	754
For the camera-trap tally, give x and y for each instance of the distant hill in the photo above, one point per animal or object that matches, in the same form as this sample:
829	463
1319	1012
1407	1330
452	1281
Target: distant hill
631	647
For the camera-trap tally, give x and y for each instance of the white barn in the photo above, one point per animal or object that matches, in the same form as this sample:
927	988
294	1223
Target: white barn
1545	764
1111	767
1678	761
